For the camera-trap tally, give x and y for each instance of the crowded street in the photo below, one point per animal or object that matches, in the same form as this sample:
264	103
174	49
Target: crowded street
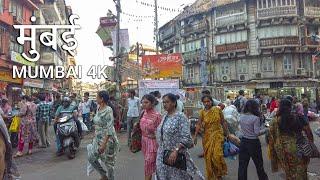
160	90
44	165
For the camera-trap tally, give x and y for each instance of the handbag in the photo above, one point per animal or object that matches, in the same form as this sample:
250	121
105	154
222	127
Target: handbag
15	124
306	148
136	136
181	161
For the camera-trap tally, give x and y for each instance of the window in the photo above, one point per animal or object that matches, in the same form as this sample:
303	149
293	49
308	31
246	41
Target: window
264	5
259	4
279	2
287	62
190	71
224	69
243	66
278	31
267	64
16	10
14	46
284	2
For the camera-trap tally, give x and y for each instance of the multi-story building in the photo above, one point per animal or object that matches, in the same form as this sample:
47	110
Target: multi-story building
55	12
261	46
13	12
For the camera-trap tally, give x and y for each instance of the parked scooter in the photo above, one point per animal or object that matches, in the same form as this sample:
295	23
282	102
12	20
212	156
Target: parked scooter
68	134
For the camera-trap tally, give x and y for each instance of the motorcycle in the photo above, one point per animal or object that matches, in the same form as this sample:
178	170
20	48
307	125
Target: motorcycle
193	123
68	134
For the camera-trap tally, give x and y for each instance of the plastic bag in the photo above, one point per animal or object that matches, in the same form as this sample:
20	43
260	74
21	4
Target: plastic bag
229	149
15	124
84	126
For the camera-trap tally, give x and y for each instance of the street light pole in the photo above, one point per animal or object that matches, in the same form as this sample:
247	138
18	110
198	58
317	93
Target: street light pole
118	58
156	24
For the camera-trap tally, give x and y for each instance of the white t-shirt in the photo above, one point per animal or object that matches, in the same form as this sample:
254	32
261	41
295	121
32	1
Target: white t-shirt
85	107
179	106
159	106
133	107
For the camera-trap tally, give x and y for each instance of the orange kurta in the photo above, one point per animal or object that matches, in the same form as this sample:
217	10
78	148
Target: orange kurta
213	142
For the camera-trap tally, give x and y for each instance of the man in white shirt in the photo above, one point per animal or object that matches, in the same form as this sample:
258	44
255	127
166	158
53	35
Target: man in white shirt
133	104
180	106
159	107
84	108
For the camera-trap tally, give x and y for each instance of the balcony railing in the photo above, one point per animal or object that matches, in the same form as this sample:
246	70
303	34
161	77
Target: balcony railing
166	34
279	41
277	12
307	41
232	47
231	19
199	27
312	11
191	56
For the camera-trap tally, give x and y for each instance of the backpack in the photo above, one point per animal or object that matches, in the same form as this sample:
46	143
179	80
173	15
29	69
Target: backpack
237	104
93	107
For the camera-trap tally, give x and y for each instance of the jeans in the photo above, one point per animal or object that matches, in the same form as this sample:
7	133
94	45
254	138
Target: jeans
251	148
43	132
130	123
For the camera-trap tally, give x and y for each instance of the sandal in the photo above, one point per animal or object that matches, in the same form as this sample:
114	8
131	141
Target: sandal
18	154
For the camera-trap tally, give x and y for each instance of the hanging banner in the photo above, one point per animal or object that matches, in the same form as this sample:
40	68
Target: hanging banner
36	83
7	77
162	66
104	31
163	86
123	40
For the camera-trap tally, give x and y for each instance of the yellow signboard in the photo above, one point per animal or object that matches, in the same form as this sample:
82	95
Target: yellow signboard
7	76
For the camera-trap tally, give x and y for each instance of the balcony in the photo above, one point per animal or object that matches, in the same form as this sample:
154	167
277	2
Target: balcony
194	28
167	34
283	11
240	46
307	41
231	19
51	13
191	57
279	42
312	11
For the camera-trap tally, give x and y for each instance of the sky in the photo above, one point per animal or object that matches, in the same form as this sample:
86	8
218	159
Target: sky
90	49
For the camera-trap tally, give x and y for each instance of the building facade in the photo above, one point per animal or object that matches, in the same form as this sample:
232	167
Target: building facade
261	46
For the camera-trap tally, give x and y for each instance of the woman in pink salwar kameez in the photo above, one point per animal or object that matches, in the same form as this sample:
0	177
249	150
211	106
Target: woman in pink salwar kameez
148	123
27	130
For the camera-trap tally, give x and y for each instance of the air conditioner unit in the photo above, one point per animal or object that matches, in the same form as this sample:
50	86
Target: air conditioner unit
310	74
242	77
300	72
225	78
258	75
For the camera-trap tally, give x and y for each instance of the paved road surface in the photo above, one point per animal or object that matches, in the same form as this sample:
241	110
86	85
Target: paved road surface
44	165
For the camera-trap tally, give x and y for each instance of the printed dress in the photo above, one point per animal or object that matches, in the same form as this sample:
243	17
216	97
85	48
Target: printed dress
28	130
148	124
176	130
103	122
213	142
284	155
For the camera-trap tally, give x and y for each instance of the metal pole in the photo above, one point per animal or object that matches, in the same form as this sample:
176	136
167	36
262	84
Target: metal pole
118	59
156	24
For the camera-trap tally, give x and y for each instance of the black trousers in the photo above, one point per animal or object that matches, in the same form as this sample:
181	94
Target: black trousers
250	148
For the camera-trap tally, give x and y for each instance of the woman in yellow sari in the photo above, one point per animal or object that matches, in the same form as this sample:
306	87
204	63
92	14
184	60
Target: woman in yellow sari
212	120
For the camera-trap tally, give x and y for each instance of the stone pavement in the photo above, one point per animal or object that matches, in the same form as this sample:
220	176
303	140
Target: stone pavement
44	165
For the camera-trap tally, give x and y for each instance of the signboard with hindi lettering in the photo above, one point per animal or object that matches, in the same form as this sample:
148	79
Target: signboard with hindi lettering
123	40
7	77
162	65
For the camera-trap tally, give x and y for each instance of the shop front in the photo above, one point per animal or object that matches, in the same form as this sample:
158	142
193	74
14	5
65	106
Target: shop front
32	86
10	87
296	88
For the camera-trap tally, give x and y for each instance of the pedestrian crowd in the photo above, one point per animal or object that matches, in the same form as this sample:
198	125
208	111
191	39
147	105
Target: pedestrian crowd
157	125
